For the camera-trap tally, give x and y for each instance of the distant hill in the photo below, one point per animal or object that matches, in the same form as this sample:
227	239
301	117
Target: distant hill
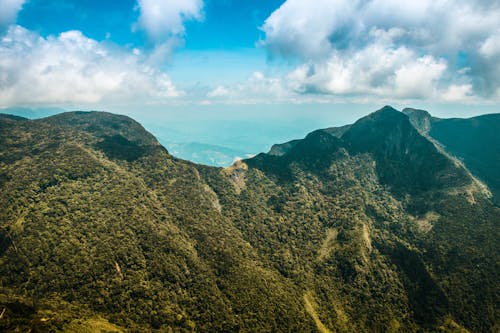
372	227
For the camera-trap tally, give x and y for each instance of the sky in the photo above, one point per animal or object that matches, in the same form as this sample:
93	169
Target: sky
268	61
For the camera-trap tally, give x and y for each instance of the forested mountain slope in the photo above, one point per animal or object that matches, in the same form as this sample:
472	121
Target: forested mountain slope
367	229
475	141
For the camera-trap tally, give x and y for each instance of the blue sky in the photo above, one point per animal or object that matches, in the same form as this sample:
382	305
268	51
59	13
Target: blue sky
211	67
152	54
226	24
219	48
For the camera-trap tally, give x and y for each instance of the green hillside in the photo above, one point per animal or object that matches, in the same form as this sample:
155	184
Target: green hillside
366	229
475	141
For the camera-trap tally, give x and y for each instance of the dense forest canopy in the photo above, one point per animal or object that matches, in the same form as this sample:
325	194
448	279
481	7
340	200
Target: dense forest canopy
385	225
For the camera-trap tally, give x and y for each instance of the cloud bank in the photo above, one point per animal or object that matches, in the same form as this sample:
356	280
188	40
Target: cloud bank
430	49
332	50
71	68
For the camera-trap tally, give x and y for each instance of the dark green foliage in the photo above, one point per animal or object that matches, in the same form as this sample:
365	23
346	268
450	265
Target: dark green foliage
427	301
17	314
12	117
315	153
406	161
337	131
475	141
5	241
378	233
118	147
283	148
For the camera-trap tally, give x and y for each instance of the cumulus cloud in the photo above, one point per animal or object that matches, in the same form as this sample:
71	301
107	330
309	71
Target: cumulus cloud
8	12
417	79
163	20
427	49
490	48
71	68
458	93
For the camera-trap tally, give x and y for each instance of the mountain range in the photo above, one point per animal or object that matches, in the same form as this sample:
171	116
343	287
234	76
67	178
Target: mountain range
386	225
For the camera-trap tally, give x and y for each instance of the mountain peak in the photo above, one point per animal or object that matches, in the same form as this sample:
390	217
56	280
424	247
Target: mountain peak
104	125
385	116
387	108
406	160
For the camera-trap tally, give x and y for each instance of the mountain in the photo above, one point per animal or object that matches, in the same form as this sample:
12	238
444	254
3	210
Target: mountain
474	141
283	148
368	228
404	159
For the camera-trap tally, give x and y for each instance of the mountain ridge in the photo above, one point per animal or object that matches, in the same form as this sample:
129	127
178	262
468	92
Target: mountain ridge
474	141
99	217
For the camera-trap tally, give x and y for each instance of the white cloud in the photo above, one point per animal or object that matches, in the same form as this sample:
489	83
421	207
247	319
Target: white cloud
165	18
418	78
219	91
490	48
417	49
8	12
371	75
458	93
300	27
372	71
71	68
